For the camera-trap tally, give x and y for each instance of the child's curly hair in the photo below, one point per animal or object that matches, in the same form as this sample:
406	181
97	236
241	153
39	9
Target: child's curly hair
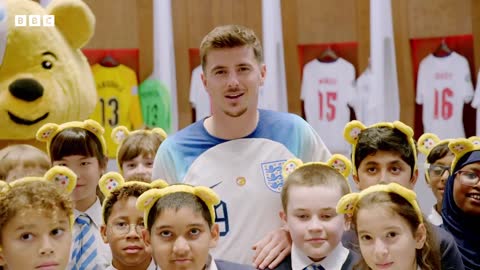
38	195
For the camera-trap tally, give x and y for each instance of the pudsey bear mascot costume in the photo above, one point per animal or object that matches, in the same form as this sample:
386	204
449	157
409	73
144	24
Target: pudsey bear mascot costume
44	77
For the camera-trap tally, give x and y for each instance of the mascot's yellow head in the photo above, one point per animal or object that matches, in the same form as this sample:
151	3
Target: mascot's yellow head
44	77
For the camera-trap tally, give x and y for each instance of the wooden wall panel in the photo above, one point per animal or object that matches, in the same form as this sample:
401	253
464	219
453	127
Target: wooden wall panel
180	9
433	18
128	24
325	21
125	24
404	61
475	13
145	37
116	24
292	68
363	33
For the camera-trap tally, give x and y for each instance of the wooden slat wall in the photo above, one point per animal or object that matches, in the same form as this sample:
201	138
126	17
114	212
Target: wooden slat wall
475	13
431	18
404	62
128	24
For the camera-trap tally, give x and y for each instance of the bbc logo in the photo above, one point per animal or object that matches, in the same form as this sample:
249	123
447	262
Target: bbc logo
35	20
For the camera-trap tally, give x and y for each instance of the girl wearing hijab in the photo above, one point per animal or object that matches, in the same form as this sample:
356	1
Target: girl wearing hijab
461	202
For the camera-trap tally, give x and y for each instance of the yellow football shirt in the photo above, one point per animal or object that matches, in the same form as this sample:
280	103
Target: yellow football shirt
118	102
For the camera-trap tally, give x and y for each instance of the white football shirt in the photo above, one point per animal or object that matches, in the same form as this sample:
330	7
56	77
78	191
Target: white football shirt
199	96
443	86
360	100
327	89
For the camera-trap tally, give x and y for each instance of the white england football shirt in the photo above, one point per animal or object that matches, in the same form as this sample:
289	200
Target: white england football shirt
326	91
443	86
476	104
245	173
360	100
199	96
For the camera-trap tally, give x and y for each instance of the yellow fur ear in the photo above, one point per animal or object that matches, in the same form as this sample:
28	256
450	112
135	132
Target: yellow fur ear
475	140
352	130
109	182
74	19
4	186
119	134
94	127
46	132
341	164
289	166
210	198
346	204
427	142
147	200
407	130
160	132
63	177
460	147
404	192
159	183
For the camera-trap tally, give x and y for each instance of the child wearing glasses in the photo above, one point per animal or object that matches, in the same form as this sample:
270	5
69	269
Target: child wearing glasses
123	223
437	170
461	202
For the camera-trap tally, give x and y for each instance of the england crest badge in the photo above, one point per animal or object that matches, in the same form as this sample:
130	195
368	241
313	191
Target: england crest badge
272	175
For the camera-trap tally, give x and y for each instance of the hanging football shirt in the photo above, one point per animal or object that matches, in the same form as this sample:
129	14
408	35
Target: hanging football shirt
361	98
443	86
117	101
326	92
199	96
155	103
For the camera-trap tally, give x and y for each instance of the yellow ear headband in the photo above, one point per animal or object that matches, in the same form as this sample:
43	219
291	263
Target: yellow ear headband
462	146
64	179
354	128
120	133
347	203
148	199
425	145
48	131
338	162
112	181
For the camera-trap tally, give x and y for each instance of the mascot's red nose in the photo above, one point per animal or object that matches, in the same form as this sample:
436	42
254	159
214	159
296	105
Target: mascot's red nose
26	89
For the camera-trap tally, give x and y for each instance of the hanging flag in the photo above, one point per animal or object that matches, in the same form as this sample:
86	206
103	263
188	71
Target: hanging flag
273	95
164	62
384	82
